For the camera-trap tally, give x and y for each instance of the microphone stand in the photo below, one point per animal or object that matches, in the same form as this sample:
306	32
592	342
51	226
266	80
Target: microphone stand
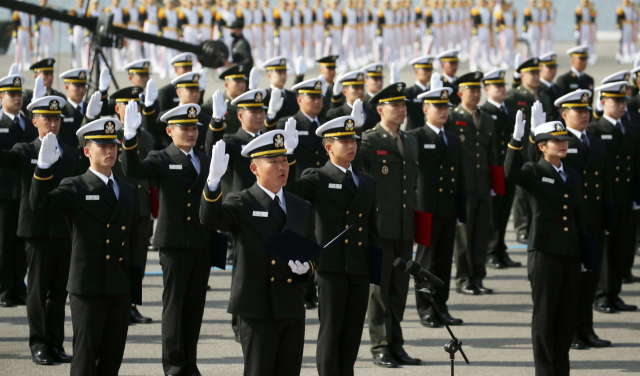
453	346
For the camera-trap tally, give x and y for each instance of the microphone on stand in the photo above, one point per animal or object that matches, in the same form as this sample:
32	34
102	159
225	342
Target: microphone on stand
420	274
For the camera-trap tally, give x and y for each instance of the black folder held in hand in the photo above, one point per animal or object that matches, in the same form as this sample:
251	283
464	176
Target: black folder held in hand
289	245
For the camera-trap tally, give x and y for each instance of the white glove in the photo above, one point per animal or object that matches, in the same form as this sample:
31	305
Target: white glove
254	78
105	80
219	162
275	103
95	105
356	112
436	81
576	34
276	41
49	153
39	90
291	135
219	105
493	193
70	38
537	116
37	35
132	120
13	69
599	107
328	40
298	267
337	87
394	73
325	85
202	83
301	66
518	130
517	62
582	268
150	93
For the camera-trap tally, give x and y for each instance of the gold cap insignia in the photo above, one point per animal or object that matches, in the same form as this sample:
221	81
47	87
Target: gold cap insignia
134	91
378	68
444	94
188	57
54	105
191	113
240	68
501	74
585	98
16	81
283	61
82	75
49	62
535	61
623	89
626	77
400	87
476	76
349	124
429	61
258	97
360	77
278	141
318	85
196	78
145	65
559	128
109	127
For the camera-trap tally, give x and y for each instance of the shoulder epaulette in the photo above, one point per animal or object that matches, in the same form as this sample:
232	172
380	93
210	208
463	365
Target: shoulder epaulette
475	11
142	10
161	14
15	16
527	11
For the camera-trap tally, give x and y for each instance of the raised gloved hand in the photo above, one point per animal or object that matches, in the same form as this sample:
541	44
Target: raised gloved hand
275	103
219	162
13	69
436	81
39	90
202	83
150	93
599	107
105	80
301	66
356	112
517	62
538	117
518	130
325	85
394	73
95	105
337	87
254	78
219	105
132	120
290	135
49	153
298	268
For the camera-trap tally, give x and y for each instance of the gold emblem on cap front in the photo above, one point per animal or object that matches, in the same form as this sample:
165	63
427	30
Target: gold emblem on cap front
623	89
134	91
109	127
192	112
283	62
258	97
349	124
240	68
559	128
49	62
585	98
400	87
82	75
626	77
16	81
196	78
360	77
317	86
278	141
444	94
501	74
54	105
477	75
145	65
378	68
188	57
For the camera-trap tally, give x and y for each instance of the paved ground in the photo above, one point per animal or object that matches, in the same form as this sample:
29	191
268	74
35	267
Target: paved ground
496	335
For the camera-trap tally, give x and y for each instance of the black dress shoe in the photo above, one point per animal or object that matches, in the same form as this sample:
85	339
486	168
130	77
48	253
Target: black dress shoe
621	306
385	360
522	239
403	358
632	278
137	318
237	337
510	263
42	358
595	341
19	300
495	263
604	308
468	290
484	290
6	303
577	344
627	280
450	320
59	356
208	288
309	303
430	321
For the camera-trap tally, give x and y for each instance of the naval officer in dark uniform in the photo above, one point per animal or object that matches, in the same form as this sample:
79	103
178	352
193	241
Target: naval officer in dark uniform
327	69
422	68
390	155
277	74
353	88
374	82
440	184
74	111
341	197
548	70
43	69
576	78
100	211
167	96
554	250
449	61
46	236
235	83
186	247
267	292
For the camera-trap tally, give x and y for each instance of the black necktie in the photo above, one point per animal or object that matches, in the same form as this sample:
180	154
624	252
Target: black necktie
583	138
278	214
17	127
111	198
617	129
190	165
350	183
440	141
504	110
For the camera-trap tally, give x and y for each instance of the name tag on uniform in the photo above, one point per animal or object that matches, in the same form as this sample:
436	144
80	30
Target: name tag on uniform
68	120
548	180
260	214
34	161
495	117
303	133
573	86
607	137
92	197
335	186
429	146
175	167
572	151
176	99
4	130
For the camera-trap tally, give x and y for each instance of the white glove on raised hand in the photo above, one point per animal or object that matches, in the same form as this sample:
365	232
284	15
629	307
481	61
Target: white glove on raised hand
538	117
436	81
298	267
325	85
219	105
301	66
132	120
202	83
13	69
39	90
105	80
394	73
49	153
219	162
150	93
356	112
337	88
95	105
275	103
517	62
290	135
254	78
599	107
518	130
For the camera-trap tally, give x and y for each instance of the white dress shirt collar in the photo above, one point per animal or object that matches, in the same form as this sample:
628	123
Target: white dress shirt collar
74	104
310	119
576	132
546	82
499	105
578	74
272	195
421	86
449	79
105	179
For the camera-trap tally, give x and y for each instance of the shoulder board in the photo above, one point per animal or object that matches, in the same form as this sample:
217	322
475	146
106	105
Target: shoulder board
593	12
369	130
380	13
15	16
327	14
107	9
218	16
125	11
343	12
417	9
161	13
276	13
428	13
181	15
213	11
475	11
142	9
238	13
527	11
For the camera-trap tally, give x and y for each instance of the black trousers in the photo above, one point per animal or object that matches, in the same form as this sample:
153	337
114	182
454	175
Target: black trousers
472	241
185	274
555	285
343	306
100	326
589	285
13	258
521	213
49	261
437	259
388	301
500	211
618	244
272	347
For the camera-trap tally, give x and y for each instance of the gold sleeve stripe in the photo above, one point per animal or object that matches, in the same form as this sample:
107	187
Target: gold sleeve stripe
39	178
514	147
129	148
209	200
